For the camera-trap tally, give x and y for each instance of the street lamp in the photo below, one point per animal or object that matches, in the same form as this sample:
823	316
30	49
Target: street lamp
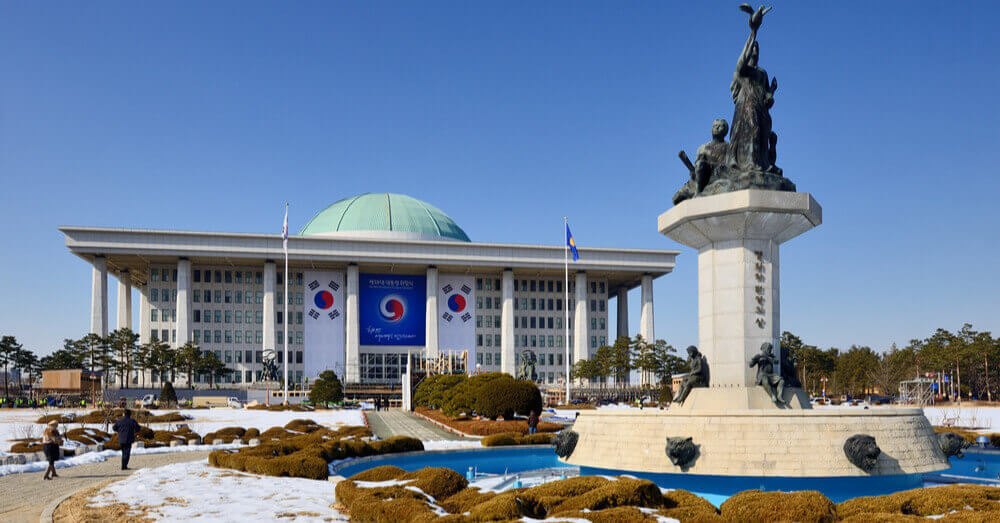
824	380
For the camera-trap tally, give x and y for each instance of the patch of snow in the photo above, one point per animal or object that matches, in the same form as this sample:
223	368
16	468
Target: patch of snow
659	518
451	444
96	457
386	483
210	494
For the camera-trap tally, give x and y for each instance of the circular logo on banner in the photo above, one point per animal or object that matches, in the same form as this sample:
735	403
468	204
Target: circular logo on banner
456	302
392	308
324	299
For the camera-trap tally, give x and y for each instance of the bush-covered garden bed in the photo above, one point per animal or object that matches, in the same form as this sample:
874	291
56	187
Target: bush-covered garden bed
485	427
306	452
387	493
516	438
100	416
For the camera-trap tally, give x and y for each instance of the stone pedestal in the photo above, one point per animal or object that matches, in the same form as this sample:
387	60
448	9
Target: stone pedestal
737	236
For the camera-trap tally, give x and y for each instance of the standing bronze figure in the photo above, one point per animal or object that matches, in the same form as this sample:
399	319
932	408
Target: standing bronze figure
749	159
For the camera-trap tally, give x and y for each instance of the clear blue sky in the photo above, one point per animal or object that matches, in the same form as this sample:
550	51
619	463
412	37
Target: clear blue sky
208	115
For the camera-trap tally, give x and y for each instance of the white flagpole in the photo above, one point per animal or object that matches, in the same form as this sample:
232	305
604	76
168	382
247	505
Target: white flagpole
284	235
566	288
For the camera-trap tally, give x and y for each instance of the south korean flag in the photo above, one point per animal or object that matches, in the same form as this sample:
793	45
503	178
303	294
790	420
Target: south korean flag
456	312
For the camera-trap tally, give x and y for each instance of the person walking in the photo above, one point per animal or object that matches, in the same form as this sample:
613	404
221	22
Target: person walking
533	423
126	429
50	446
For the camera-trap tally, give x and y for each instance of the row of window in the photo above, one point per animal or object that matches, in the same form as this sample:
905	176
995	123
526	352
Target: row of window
249	277
536	285
228	336
487	358
540	322
232	377
219	296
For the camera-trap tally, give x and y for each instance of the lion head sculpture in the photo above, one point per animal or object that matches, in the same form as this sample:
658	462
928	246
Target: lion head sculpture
952	444
565	442
681	451
862	451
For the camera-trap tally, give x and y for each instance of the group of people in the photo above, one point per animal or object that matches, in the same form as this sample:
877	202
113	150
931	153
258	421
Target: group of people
381	403
126	427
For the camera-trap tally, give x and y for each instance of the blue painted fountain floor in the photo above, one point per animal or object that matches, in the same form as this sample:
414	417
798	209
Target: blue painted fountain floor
973	468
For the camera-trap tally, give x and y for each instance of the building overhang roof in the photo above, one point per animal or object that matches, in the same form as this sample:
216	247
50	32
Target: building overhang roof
135	249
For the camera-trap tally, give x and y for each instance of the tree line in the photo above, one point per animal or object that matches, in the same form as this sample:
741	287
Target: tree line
118	355
972	358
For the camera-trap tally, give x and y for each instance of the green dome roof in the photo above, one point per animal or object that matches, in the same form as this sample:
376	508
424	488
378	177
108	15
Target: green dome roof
384	215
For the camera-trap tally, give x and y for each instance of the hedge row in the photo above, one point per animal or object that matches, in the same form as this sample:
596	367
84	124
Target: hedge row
470	425
492	395
601	499
99	416
516	438
308	455
970	436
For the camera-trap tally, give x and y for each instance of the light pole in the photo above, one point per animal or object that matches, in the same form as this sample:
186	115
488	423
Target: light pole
824	380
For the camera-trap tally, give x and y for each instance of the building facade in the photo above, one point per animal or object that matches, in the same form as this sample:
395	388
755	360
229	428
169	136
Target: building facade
371	279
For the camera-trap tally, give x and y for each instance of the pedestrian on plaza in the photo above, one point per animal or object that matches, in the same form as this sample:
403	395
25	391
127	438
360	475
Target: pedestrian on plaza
126	429
532	423
50	446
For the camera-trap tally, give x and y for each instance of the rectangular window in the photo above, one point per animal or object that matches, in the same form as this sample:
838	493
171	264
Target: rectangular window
534	304
593	305
298	337
260	297
552	357
258	277
229	316
229	276
524	341
602	324
489	284
208	336
479	302
239	316
593	287
479	283
154	274
197	336
593	342
600	305
154	294
217	337
559	357
164	335
248	315
239	277
489	321
479	321
298	318
218	316
601	287
248	338
532	285
532	322
496	321
559	343
208	296
489	339
541	304
298	357
197	276
298	298
279	298
196	296
229	336
534	340
238	338
248	297
551	283
196	316
280	318
549	321
479	358
604	341
496	340
248	356
258	316
479	340
229	297
298	278
218	296
558	323
152	316
260	337
593	323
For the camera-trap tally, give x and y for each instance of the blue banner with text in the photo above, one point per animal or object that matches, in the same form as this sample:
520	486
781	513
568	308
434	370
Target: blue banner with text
392	309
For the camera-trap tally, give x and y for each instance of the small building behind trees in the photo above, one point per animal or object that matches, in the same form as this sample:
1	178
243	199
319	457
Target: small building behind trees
71	381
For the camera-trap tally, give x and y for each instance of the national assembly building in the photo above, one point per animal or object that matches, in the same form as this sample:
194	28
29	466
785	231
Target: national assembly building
371	278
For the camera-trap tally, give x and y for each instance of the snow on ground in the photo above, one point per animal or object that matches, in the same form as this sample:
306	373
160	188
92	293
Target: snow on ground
16	424
986	419
96	457
452	444
193	491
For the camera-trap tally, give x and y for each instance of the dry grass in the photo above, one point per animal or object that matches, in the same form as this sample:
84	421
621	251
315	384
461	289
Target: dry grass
77	509
754	505
482	427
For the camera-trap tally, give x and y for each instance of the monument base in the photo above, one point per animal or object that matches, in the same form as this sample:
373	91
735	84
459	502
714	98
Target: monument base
740	398
756	442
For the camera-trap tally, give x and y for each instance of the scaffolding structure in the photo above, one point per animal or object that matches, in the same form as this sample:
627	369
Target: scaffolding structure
919	392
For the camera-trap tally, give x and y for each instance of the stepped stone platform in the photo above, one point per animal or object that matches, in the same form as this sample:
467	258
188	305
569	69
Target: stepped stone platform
769	442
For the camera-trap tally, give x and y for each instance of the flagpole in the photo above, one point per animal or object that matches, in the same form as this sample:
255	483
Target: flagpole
287	301
566	289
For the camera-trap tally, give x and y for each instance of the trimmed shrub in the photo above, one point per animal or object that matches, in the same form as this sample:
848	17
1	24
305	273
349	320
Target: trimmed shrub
396	444
170	417
227	434
435	390
666	394
683	505
25	446
87	436
968	435
504	396
624	491
303	425
929	501
756	505
167	394
994	439
516	438
326	389
463	501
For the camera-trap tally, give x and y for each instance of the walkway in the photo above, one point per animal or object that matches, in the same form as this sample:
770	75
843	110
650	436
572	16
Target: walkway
388	423
23	497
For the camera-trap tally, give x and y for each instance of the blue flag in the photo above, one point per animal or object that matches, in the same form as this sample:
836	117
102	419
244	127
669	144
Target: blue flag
571	244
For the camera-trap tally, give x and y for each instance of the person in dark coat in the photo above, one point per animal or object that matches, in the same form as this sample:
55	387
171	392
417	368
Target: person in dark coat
533	423
126	429
50	445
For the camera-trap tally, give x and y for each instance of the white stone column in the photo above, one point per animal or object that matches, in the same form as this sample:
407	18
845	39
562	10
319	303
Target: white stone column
351	328
646	317
99	297
622	312
183	325
270	283
737	236
124	301
580	326
431	330
507	356
144	311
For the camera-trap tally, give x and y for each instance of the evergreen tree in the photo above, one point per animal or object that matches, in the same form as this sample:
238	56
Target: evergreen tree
167	394
326	389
